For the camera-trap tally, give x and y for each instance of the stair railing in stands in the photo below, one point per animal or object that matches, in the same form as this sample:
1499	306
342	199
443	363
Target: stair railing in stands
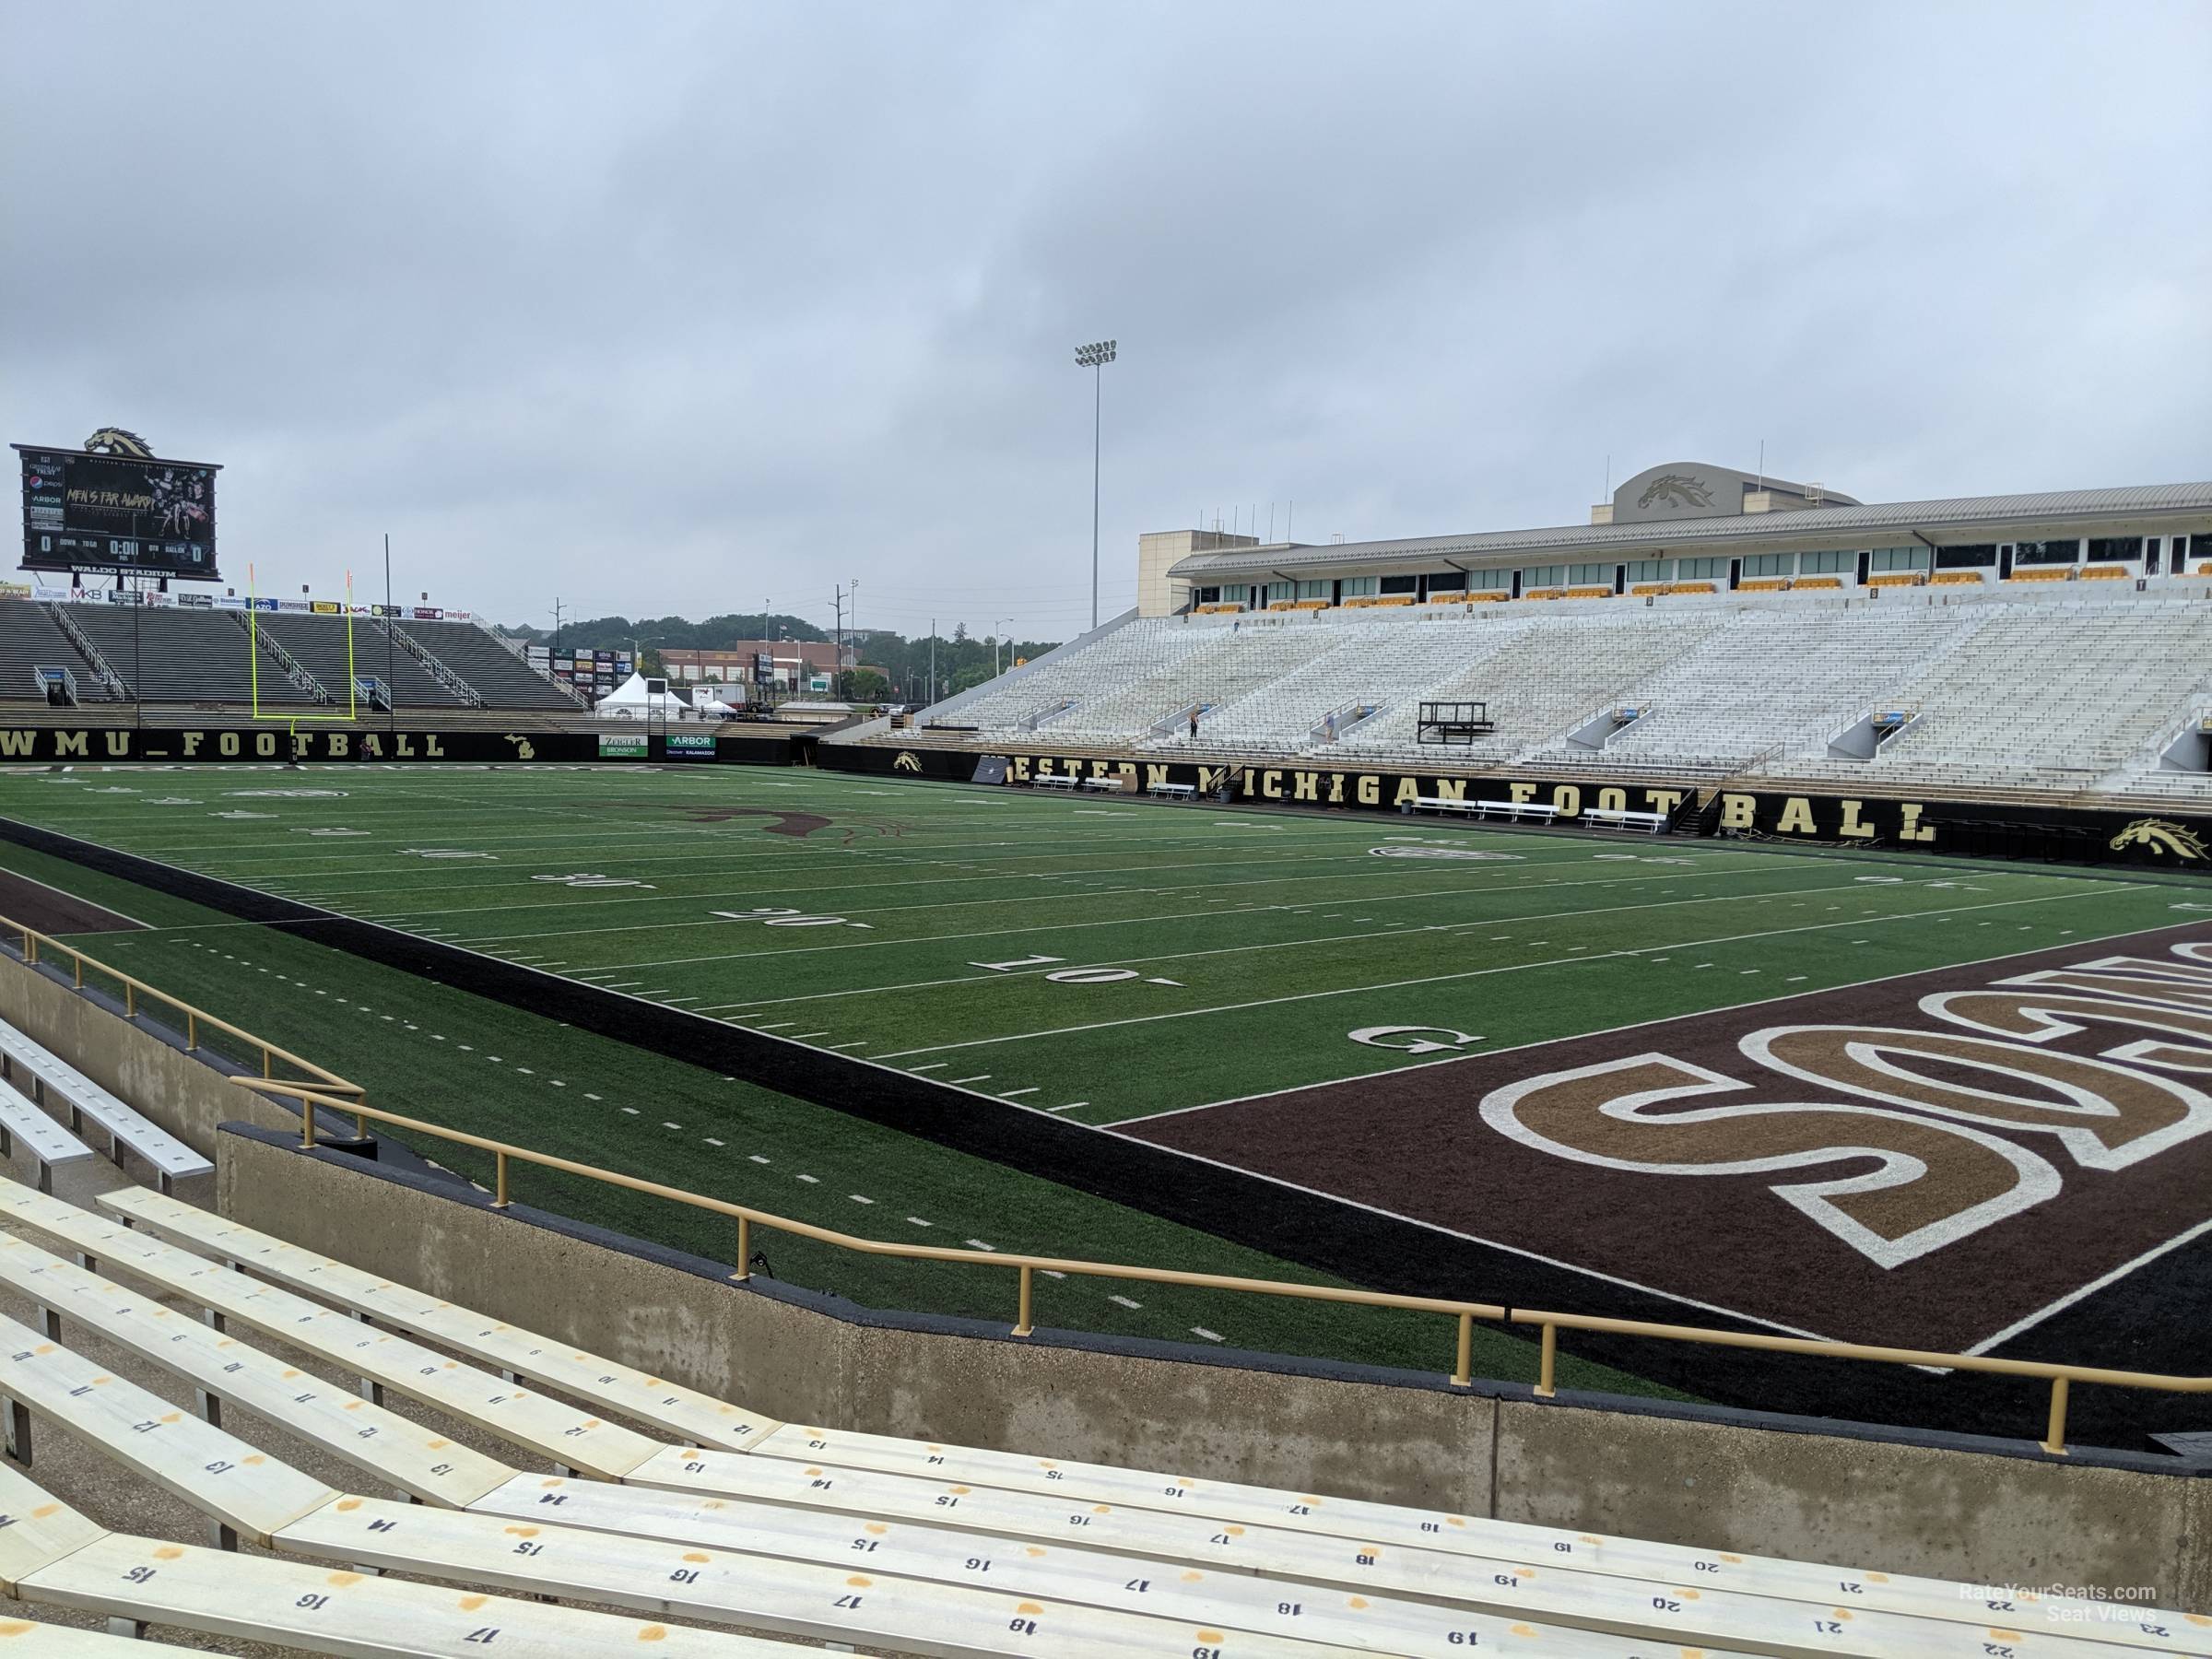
1548	1325
437	670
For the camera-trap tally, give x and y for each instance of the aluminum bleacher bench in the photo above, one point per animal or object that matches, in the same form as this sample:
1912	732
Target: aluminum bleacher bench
34	1641
383	1444
52	1079
47	1143
570	1438
697	1419
1174	792
1651	823
51	1555
251	1495
862	1481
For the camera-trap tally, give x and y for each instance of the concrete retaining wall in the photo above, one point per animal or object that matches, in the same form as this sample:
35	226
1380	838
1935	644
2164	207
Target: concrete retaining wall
182	1092
1988	1512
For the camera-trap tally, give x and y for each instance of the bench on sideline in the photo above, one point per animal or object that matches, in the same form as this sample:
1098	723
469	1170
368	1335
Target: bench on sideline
1651	823
1174	792
1483	809
52	1076
1053	781
693	1493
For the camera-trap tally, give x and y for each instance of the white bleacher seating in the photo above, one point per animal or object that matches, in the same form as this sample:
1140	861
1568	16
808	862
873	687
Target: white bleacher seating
52	1079
30	1639
51	1555
2052	695
697	1417
898	1496
567	1437
2043	688
45	1142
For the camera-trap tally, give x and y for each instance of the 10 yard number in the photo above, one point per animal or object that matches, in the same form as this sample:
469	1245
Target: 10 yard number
1074	976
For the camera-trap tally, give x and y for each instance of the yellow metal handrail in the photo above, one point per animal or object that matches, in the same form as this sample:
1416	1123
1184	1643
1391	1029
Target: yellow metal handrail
746	1217
2060	1376
195	1019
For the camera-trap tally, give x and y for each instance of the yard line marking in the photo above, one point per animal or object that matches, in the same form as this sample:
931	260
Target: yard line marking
811	1180
1124	1302
757	1157
856	1042
860	1198
1008	1094
1312	939
980	1077
1202	1330
979	1244
803	1036
1438	979
918	1221
1069	1107
932	1065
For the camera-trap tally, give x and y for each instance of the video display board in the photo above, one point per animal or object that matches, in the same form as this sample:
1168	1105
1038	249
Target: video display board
134	514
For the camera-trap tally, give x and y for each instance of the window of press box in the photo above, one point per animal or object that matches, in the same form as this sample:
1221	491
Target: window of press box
1450	582
1770	564
2045	552
1539	576
1313	589
1352	586
1826	564
1401	584
1650	569
1898	559
1702	569
1490	581
1589	575
1969	555
1206	596
2115	550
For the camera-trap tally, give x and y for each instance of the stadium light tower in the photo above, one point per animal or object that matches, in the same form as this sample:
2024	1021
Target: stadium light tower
1095	357
997	639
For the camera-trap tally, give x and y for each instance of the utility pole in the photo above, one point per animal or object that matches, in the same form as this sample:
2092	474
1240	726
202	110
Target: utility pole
391	646
837	642
932	664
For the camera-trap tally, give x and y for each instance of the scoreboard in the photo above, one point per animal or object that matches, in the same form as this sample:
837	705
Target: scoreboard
131	515
594	672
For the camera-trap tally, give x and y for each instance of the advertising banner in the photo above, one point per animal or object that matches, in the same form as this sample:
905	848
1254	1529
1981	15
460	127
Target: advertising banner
52	595
689	746
197	601
228	602
326	607
427	613
2005	829
621	746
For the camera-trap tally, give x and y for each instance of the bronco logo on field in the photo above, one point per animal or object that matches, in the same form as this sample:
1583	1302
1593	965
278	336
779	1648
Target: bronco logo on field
1676	489
2160	837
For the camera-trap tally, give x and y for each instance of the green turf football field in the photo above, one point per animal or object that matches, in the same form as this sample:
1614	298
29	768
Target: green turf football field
1104	960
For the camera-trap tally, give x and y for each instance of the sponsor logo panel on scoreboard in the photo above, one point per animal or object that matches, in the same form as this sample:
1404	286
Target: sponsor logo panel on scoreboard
127	512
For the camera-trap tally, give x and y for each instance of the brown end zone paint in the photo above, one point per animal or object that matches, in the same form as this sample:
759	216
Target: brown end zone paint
1418	1143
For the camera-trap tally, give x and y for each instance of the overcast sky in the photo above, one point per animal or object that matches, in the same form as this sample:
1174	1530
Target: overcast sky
683	308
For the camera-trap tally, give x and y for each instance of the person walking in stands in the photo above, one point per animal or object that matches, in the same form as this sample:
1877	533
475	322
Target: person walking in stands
1193	725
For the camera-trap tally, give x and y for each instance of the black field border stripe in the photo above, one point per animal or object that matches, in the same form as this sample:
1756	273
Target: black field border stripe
1308	1228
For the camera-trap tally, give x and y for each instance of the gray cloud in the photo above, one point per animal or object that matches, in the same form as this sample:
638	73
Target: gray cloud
684	307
